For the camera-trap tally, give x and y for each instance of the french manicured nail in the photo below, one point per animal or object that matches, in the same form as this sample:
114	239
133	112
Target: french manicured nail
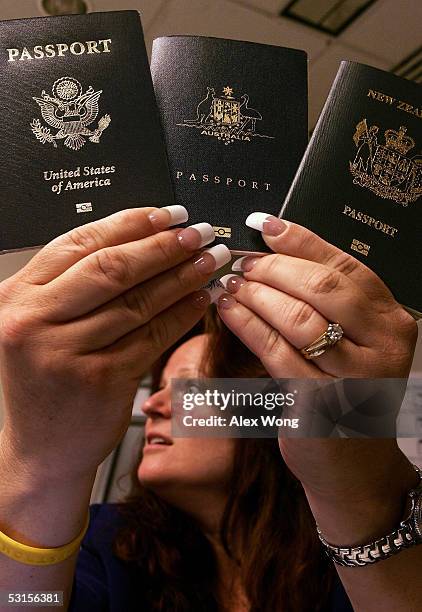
226	302
245	264
232	282
165	217
213	259
267	224
201	299
196	236
214	289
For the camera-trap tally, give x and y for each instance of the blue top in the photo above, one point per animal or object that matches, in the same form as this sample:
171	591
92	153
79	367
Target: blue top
104	583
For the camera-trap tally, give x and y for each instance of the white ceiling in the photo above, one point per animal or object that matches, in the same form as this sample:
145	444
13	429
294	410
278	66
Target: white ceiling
382	36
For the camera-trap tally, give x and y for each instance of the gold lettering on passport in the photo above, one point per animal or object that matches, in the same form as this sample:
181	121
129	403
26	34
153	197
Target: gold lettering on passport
398	104
40	52
229	182
376	224
386	169
226	118
70	111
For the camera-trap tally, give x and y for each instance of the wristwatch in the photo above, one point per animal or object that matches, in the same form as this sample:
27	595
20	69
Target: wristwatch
408	533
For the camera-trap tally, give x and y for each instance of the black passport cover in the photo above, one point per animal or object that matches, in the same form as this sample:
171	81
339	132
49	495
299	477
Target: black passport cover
76	110
235	121
359	185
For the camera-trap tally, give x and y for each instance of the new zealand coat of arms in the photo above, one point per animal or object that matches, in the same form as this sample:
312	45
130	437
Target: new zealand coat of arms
386	169
225	117
70	111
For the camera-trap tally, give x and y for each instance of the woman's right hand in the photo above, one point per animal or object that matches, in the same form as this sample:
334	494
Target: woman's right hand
82	322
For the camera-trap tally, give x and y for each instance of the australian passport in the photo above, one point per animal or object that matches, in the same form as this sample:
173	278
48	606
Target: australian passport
359	185
80	133
235	122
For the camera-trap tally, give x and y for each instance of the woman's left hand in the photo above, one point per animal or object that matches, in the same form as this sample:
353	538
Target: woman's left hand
285	300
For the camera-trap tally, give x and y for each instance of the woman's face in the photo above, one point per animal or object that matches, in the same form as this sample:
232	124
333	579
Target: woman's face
172	466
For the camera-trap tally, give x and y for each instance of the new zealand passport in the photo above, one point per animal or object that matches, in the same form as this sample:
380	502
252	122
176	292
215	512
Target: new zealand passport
359	185
80	133
235	121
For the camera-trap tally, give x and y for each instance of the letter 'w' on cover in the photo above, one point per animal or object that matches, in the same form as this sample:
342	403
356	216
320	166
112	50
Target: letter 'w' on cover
235	122
359	185
80	134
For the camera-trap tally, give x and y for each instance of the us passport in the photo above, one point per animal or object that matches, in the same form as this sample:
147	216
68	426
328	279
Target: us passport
235	121
80	133
359	185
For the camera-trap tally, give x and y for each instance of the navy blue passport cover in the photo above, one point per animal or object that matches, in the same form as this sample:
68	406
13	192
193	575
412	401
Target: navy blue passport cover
235	120
80	134
359	185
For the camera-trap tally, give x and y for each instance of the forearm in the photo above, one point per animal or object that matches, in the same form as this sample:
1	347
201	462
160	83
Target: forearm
361	517
42	513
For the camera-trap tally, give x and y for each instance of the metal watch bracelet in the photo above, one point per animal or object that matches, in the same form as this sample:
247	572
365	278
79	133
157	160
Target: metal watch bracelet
408	533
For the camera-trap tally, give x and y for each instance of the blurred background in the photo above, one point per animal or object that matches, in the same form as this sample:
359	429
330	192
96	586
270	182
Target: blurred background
385	34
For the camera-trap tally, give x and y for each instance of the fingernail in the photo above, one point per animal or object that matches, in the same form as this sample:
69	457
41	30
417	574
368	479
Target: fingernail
245	264
213	259
226	302
268	224
196	236
214	290
201	299
168	216
232	282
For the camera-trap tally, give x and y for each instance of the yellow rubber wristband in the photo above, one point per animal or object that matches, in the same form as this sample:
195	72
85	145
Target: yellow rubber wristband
40	556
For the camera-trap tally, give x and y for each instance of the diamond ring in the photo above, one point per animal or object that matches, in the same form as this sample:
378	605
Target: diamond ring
325	341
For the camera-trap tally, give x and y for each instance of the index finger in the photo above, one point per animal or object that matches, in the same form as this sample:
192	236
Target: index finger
288	238
119	228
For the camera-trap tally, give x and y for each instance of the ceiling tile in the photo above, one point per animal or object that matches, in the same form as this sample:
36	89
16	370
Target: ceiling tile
228	20
269	6
323	71
33	8
389	29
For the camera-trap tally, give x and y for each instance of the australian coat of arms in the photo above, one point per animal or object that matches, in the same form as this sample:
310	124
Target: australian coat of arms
386	169
226	118
70	111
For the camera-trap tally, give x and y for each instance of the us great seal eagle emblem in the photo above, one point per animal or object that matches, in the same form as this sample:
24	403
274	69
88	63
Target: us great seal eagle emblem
70	111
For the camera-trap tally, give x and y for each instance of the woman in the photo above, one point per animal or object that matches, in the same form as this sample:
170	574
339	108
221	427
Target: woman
210	524
75	404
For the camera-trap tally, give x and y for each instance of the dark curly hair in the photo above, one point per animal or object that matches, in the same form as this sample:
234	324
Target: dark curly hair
276	547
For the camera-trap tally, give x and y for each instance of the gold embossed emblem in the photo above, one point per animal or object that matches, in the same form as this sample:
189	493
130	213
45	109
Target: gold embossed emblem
360	247
222	232
387	169
226	117
70	111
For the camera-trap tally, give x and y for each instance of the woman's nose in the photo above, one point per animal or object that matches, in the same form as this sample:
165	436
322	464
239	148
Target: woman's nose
159	403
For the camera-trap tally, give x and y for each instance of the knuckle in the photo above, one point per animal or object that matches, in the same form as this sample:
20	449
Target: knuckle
165	248
184	279
408	325
87	238
254	291
113	265
324	281
343	263
273	349
139	303
299	314
159	334
15	329
273	264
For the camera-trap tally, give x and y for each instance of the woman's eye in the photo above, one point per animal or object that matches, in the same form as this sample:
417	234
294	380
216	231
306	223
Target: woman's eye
194	389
